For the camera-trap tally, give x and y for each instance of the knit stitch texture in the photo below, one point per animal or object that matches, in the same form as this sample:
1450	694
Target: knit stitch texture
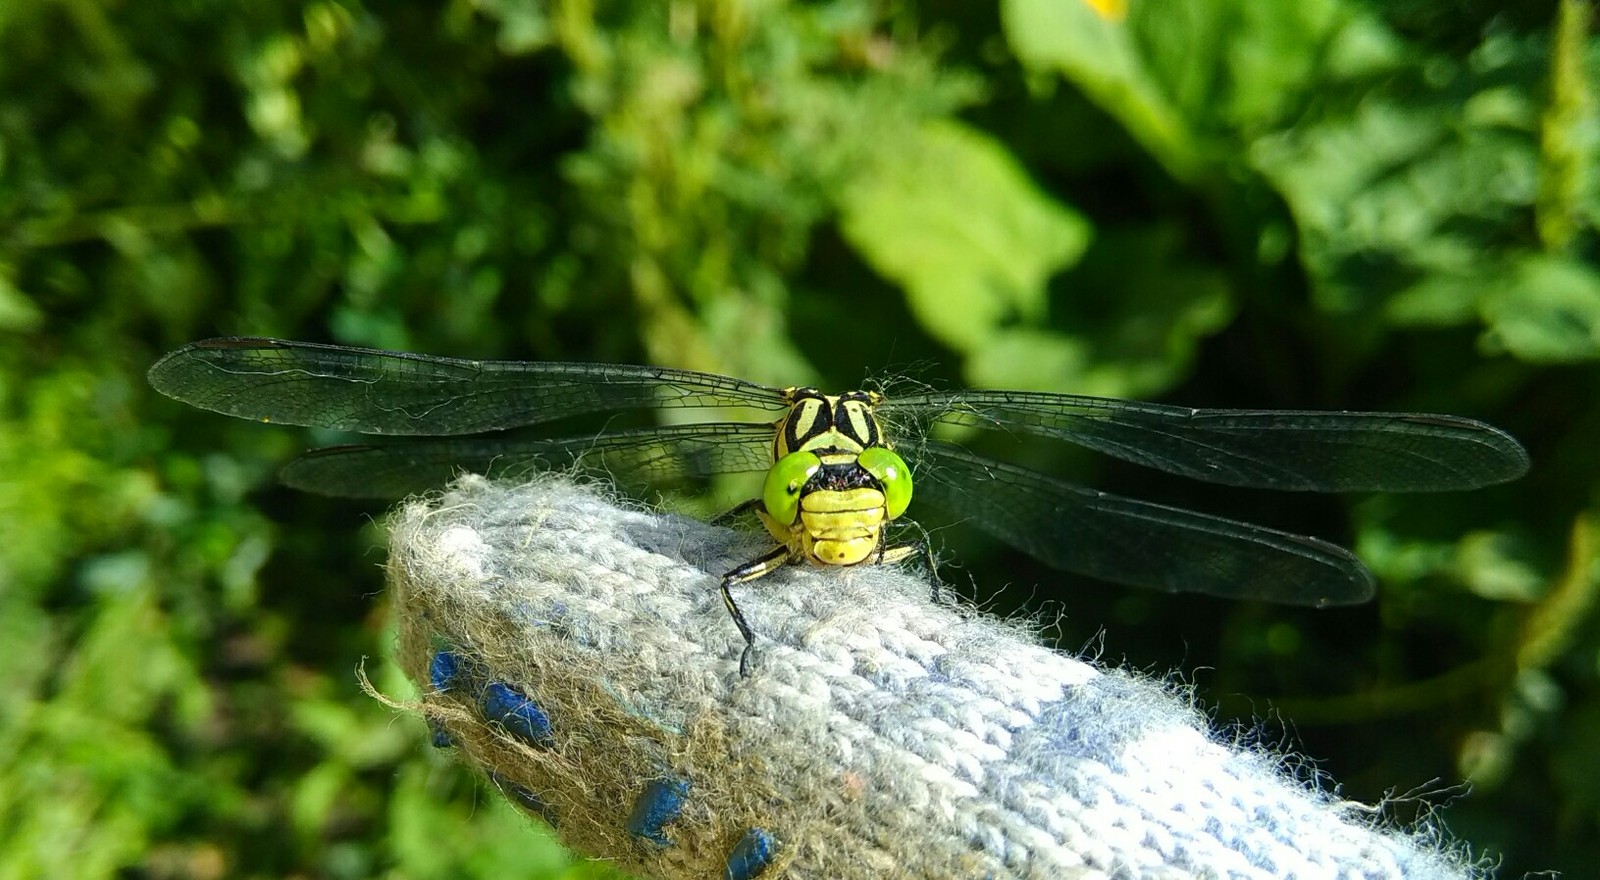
879	735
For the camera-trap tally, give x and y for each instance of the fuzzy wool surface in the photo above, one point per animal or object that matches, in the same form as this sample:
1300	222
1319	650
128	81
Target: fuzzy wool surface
879	735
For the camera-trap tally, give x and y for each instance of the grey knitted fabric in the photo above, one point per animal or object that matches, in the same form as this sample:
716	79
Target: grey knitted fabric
580	655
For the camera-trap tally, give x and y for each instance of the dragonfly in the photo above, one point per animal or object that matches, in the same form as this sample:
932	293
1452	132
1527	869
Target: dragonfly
840	468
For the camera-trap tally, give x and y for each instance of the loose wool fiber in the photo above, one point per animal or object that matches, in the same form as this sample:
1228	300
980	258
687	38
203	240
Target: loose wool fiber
879	735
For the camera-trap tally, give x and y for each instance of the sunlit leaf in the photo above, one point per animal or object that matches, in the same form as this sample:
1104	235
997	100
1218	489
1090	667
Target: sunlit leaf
1101	55
1546	310
953	218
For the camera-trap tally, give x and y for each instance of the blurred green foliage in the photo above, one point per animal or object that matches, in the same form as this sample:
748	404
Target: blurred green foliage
1331	203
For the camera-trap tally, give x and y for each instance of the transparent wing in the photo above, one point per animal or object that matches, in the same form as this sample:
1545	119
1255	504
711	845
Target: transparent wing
1293	450
386	392
645	458
1134	542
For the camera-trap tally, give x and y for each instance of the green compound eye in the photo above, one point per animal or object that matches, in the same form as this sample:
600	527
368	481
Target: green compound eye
781	492
891	471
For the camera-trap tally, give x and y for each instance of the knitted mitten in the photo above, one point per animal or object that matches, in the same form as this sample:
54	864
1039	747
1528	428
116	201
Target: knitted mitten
580	654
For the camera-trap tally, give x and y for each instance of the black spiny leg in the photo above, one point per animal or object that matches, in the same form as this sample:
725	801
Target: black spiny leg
933	570
751	570
922	548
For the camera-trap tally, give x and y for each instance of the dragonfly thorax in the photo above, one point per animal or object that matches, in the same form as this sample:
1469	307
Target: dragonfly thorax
817	421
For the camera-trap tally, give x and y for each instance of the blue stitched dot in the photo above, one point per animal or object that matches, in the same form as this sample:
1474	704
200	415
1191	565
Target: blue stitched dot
524	798
441	737
659	803
751	855
520	716
443	669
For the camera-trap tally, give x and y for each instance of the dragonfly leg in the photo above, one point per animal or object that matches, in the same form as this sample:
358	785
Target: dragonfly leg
755	568
925	551
728	516
937	588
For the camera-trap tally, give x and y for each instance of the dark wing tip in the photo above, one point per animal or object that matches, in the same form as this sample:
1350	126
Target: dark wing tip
1514	461
1503	458
1359	589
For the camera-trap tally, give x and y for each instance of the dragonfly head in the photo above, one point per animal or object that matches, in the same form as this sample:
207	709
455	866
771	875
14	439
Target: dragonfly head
799	474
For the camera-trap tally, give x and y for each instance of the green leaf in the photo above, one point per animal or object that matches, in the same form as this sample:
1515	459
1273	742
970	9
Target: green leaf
954	219
1230	66
1028	360
1408	196
1494	565
1548	311
1192	81
17	312
1138	308
1099	54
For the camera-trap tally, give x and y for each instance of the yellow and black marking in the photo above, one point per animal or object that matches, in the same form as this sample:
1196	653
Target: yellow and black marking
834	485
816	421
